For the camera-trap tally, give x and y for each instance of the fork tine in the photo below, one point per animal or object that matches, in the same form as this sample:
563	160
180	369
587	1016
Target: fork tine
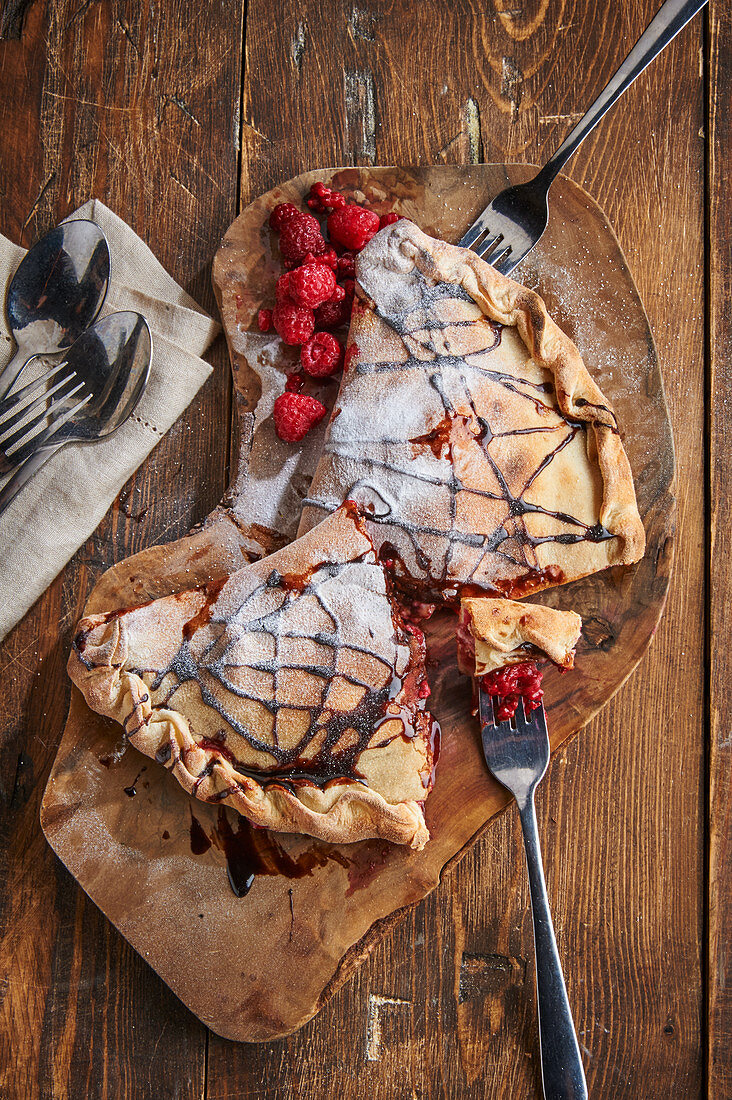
507	263
22	435
30	389
476	230
487	715
485	247
535	719
498	254
10	438
30	446
8	419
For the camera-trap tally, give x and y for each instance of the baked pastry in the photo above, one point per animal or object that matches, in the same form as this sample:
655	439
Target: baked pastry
494	633
469	427
292	691
500	641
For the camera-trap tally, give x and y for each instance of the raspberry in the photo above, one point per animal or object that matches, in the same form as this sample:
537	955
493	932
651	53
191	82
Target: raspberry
322	355
349	286
295	414
323	199
294	382
295	324
282	289
311	284
283	213
300	236
352	226
329	257
332	314
389	219
347	265
264	320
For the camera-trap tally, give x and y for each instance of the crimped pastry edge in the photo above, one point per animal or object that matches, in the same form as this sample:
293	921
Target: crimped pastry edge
356	813
578	396
343	812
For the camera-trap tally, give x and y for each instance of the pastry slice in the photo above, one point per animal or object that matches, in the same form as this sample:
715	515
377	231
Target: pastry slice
500	641
469	427
293	691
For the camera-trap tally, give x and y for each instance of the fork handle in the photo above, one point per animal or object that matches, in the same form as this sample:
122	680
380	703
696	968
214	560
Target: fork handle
23	474
562	1074
12	369
670	19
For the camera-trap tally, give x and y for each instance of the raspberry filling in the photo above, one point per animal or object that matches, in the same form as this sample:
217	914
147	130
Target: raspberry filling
510	684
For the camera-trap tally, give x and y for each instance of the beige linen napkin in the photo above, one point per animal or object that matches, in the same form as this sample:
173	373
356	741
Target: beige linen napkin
65	501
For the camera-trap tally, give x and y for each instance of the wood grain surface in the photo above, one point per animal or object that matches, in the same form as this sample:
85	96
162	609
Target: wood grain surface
176	116
719	288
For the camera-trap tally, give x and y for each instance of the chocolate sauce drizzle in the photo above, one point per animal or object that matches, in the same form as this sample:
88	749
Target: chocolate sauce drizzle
131	791
251	853
333	740
448	375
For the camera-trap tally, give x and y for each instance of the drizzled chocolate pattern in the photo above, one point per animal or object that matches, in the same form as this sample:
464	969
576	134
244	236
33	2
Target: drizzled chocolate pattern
293	685
458	443
252	654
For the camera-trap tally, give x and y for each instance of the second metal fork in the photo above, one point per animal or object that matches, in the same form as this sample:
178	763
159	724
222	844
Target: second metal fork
518	757
26	417
511	225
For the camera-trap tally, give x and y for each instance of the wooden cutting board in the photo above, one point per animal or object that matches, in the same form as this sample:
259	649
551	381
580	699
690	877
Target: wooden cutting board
258	966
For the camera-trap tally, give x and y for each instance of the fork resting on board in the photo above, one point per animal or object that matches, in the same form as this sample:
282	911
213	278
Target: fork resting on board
518	757
511	225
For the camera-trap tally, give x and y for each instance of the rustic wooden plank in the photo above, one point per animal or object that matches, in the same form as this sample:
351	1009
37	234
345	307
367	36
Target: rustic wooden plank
367	85
131	104
719	287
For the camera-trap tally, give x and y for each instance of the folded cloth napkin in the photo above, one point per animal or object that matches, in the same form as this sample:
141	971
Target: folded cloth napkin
66	500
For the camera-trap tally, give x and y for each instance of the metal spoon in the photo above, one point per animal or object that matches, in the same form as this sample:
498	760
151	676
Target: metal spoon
113	360
56	293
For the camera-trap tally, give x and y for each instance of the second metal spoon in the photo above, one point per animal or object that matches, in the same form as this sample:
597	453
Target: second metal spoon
56	293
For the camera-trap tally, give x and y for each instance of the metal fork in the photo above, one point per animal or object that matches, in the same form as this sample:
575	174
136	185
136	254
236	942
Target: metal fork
518	758
60	381
510	226
27	420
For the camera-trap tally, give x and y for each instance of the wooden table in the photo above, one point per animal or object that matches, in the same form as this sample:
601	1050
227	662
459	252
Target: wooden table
176	115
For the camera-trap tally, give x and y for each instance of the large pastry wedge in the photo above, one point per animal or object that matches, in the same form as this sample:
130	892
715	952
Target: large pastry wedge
293	692
470	428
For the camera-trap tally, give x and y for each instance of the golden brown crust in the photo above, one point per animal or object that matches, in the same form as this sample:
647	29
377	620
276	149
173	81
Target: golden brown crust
498	629
432	395
176	673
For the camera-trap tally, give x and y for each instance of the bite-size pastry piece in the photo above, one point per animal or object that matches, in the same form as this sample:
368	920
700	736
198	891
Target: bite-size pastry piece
500	641
469	427
293	692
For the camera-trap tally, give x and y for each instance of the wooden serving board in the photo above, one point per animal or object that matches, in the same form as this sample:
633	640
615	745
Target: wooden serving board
155	861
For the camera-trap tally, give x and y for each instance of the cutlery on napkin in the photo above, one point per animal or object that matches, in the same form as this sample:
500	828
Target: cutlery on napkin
67	499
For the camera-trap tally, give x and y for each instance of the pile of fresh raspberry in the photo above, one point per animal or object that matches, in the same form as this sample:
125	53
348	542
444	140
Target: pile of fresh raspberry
315	294
512	683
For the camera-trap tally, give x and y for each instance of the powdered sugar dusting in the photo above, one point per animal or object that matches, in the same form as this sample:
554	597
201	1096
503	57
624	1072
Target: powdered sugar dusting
454	431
